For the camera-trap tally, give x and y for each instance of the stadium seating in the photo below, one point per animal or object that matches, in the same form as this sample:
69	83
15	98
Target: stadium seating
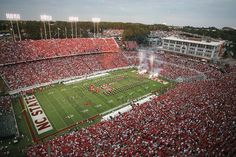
14	52
131	45
194	119
183	64
33	73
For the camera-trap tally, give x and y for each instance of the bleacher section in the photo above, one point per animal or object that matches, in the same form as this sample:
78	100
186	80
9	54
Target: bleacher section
15	52
192	119
27	74
29	63
131	45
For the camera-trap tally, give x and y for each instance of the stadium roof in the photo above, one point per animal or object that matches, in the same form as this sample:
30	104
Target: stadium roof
212	43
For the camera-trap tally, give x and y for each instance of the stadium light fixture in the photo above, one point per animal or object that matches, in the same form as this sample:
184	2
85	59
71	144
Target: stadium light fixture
14	17
44	19
95	20
73	19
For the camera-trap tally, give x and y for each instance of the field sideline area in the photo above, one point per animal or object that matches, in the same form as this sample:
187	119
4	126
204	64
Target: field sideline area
79	104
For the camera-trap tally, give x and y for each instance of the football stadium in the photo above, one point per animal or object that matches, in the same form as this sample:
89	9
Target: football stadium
101	93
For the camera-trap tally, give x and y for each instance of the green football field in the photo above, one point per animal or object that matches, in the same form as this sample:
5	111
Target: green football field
69	105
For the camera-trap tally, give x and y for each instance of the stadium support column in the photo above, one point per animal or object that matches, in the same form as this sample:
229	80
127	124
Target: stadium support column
18	30
75	29
49	28
97	29
71	29
41	33
65	32
94	30
58	32
45	31
95	20
80	32
13	32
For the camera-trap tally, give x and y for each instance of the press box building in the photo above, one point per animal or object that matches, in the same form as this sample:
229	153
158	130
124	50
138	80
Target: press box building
210	50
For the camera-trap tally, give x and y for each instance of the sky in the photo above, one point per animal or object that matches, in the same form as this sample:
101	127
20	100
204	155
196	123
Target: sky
200	13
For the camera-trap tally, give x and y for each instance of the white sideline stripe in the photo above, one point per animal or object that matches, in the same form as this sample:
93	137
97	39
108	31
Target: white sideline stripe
85	78
85	111
115	111
145	99
15	91
110	101
50	93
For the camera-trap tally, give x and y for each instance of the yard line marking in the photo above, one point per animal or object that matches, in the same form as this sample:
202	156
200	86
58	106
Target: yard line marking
120	97
86	110
110	101
97	106
50	93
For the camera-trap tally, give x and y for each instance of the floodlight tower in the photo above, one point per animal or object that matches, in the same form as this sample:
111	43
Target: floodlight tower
49	18
43	19
14	17
76	19
46	18
17	18
71	19
95	20
10	18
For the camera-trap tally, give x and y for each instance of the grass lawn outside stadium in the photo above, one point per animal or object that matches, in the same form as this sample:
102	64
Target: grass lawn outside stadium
69	106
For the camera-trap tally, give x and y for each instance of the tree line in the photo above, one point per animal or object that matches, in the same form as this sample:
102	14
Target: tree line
132	31
35	29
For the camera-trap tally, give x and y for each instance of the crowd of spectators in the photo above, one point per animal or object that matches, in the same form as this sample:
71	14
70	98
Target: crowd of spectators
47	70
113	32
131	45
193	119
162	34
14	52
43	71
174	66
174	72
